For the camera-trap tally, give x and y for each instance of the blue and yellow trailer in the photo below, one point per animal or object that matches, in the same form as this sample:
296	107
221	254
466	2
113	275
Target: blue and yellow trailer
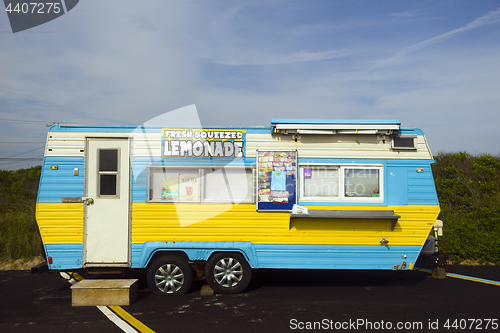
300	194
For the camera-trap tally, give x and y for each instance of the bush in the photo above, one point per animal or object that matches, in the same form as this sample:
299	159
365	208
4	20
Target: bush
469	195
19	236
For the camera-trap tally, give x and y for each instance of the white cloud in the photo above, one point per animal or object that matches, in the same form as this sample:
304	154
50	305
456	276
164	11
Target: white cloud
301	56
491	17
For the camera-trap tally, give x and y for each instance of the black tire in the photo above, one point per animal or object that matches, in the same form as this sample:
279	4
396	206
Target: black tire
228	273
169	275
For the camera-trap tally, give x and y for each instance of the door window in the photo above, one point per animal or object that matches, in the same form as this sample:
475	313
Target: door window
108	173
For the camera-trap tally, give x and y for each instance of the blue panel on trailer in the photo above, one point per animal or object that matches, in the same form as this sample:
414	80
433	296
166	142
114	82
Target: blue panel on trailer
397	186
288	256
421	188
65	256
93	128
142	253
410	131
335	256
407	186
138	129
55	184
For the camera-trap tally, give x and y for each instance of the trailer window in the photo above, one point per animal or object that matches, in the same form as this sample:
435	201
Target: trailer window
108	172
201	184
228	185
323	183
319	182
361	182
174	185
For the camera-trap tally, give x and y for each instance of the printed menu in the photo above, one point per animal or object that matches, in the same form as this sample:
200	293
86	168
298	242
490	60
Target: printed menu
276	176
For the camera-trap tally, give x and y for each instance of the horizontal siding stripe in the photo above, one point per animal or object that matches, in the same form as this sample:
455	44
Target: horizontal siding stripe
60	223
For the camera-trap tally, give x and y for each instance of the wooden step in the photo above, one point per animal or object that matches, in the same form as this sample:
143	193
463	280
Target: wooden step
93	292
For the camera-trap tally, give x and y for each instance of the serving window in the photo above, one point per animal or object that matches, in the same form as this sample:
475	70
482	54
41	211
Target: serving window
201	184
320	182
341	183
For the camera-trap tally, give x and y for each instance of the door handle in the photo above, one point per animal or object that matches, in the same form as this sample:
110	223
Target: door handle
88	201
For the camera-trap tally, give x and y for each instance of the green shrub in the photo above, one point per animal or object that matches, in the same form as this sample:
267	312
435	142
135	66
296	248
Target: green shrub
469	195
19	236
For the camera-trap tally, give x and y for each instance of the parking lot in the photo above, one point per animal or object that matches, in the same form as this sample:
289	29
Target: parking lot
275	301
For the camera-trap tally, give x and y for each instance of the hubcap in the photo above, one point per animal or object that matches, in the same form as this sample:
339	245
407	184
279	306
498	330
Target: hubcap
228	272
169	278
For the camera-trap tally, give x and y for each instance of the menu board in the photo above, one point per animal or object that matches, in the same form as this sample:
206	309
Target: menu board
277	180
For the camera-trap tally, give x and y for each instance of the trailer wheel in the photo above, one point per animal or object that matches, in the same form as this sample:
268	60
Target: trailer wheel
228	273
169	275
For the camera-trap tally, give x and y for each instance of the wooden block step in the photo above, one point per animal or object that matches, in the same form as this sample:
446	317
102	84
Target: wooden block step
206	291
93	292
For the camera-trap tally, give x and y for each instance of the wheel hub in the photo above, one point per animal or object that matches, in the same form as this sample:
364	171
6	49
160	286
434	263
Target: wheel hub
169	278
228	272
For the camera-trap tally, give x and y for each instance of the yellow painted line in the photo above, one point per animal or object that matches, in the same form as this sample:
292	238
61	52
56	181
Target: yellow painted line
464	277
130	319
77	277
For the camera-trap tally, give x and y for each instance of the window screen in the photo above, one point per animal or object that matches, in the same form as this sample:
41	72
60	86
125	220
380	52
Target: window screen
399	142
228	185
360	182
216	185
320	181
108	160
108	172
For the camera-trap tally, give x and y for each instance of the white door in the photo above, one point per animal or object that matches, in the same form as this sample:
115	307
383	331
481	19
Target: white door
107	209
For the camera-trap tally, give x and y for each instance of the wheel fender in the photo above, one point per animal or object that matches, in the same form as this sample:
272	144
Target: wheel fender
192	251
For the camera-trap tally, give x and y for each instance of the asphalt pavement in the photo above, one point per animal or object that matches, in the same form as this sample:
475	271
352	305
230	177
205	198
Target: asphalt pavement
275	301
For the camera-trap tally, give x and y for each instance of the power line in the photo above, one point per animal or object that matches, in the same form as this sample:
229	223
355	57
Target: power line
15	143
29	151
47	123
23	120
20	161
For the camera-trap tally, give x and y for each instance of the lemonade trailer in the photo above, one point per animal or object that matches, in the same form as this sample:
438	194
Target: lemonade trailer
300	194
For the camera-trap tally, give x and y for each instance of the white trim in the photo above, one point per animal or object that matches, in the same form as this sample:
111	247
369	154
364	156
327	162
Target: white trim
123	325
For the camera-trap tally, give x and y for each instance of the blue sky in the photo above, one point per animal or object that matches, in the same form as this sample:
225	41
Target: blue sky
432	64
